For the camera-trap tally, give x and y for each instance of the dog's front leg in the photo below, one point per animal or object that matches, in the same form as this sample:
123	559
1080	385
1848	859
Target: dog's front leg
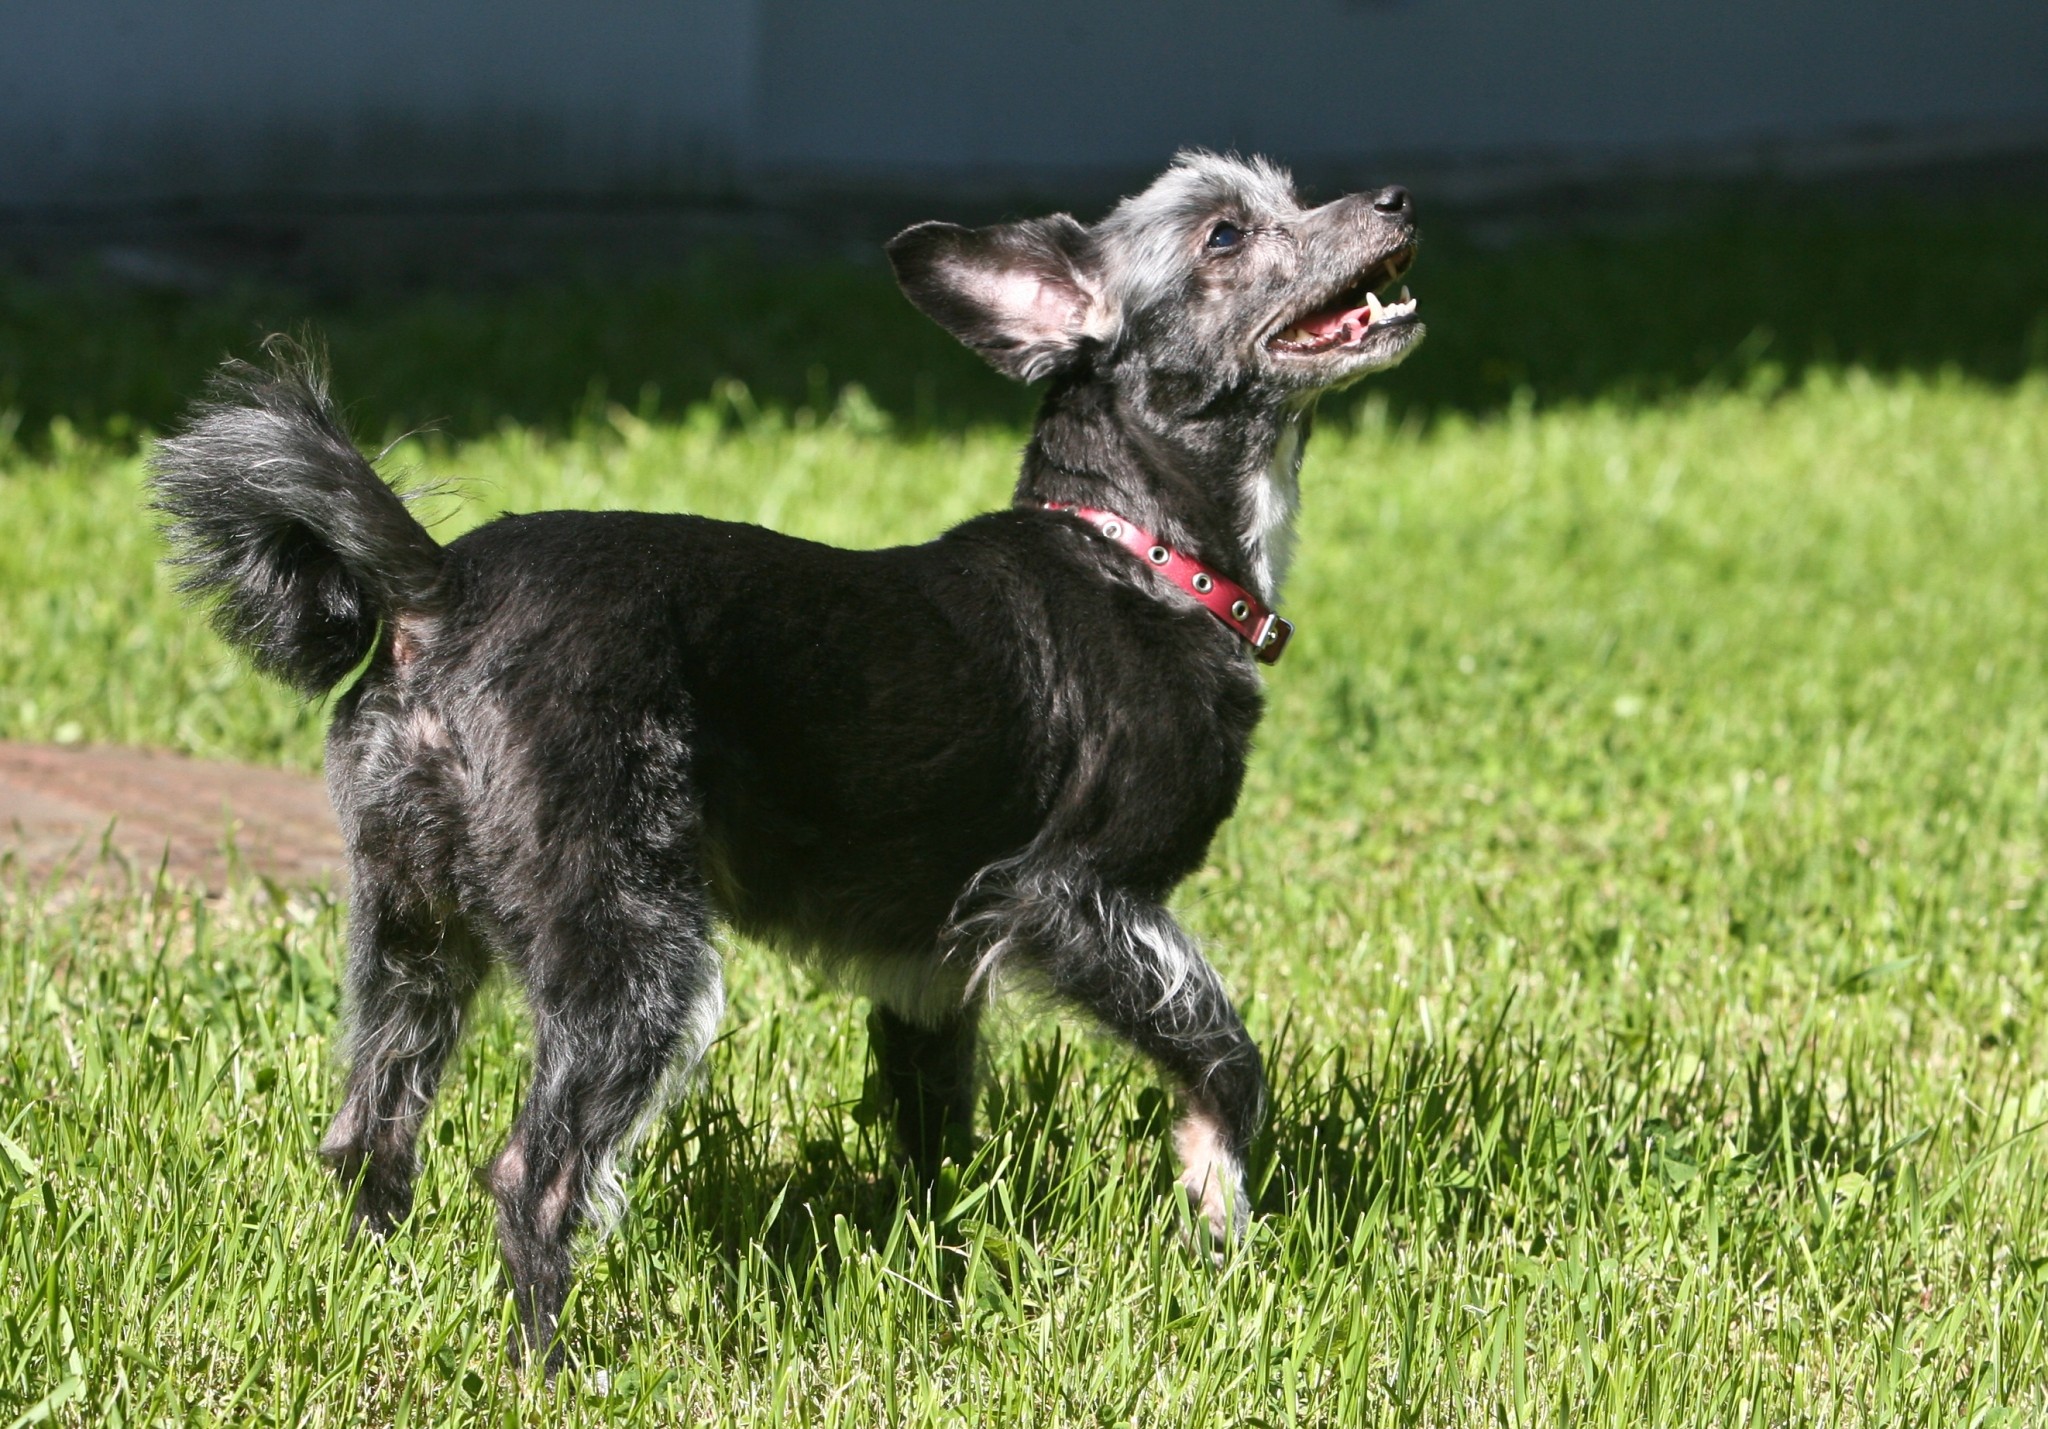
927	1069
1157	991
1123	958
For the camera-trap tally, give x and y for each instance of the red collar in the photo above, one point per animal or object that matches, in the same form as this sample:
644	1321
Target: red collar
1256	624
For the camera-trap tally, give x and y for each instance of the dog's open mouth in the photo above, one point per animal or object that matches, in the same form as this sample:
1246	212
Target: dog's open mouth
1354	312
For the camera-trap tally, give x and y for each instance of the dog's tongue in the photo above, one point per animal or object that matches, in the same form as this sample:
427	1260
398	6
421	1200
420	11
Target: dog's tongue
1346	323
1342	325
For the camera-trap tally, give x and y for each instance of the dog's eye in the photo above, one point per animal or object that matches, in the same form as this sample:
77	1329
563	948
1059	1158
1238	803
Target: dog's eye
1224	236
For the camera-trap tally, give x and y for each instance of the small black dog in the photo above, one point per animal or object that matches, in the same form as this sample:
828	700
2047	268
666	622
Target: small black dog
582	737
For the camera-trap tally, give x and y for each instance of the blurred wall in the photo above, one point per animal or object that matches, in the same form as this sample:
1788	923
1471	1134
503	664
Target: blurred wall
144	101
136	102
914	83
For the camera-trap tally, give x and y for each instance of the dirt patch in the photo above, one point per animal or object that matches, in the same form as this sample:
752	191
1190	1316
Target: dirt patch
115	815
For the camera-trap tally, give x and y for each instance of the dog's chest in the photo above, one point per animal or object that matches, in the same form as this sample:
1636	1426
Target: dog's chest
1275	502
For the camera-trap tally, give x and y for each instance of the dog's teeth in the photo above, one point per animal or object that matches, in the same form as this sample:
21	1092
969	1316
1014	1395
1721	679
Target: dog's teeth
1404	294
1373	305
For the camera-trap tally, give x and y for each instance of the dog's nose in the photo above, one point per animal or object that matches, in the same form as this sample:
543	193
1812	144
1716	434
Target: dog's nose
1393	200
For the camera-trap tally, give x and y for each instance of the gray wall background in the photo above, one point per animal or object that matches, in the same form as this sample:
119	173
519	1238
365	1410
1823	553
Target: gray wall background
156	102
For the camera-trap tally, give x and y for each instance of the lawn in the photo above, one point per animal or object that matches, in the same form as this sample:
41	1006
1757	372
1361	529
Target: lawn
1641	887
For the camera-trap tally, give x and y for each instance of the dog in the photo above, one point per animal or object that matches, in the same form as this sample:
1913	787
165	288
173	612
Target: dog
579	741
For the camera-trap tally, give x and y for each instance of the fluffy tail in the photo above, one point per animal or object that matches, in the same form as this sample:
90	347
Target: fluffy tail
284	527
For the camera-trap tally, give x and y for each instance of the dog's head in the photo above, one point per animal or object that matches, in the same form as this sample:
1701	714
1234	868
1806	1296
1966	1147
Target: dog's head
1215	280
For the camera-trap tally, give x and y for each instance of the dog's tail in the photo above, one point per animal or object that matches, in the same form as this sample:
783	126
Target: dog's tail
284	526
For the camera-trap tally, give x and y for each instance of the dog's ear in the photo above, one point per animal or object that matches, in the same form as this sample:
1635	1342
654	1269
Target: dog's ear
1026	296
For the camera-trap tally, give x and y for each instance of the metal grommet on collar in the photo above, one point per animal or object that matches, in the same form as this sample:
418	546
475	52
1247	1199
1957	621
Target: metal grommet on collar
1202	583
1239	610
1112	529
1158	555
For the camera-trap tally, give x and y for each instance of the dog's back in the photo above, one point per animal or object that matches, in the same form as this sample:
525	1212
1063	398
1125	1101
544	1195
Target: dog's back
830	743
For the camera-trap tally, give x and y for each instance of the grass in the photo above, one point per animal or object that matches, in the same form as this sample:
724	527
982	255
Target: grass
1641	889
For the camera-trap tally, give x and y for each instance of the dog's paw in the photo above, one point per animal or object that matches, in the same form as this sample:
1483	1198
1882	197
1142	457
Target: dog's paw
1220	1217
374	1225
1212	1180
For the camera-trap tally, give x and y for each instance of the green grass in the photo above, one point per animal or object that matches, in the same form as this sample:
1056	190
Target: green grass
1641	889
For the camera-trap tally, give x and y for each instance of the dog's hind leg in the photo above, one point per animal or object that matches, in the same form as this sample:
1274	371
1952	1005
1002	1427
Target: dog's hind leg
411	976
624	991
1122	958
928	1072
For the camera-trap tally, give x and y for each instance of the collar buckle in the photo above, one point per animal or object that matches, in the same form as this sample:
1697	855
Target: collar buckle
1271	642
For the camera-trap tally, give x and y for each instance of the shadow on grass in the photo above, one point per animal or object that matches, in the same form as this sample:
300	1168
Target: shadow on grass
1540	1137
1513	1134
1763	285
741	1192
